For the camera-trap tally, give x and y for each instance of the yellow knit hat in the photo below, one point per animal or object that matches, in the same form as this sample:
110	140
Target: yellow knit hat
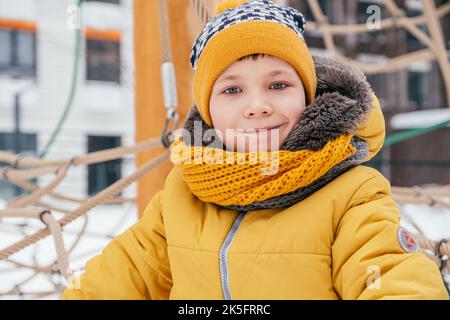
243	28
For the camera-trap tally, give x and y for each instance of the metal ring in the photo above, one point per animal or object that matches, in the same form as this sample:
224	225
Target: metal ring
41	215
68	164
437	252
16	161
4	173
55	268
72	160
18	291
418	190
165	139
443	265
433	201
167	136
437	247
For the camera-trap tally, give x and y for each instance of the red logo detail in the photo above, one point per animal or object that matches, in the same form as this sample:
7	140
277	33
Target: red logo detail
407	241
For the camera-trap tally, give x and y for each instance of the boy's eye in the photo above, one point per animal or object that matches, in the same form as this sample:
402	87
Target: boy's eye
276	86
279	85
232	90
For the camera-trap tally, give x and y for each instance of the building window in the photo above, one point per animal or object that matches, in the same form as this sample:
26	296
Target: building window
103	60
102	175
107	1
378	84
442	92
24	144
17	52
418	89
412	42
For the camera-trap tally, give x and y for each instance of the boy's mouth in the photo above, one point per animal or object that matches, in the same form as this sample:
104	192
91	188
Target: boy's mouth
266	128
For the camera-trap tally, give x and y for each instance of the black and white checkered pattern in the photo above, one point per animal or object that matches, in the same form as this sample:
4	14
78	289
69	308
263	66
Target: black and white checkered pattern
264	10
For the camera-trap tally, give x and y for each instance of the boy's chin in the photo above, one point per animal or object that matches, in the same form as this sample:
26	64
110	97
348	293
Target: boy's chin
247	149
254	142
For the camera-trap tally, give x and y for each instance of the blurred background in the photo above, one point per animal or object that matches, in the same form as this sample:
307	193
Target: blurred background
78	77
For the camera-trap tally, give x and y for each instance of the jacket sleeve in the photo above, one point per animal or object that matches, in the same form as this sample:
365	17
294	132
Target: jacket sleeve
134	265
368	260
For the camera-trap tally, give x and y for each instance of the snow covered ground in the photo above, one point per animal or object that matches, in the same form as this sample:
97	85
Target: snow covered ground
434	222
106	222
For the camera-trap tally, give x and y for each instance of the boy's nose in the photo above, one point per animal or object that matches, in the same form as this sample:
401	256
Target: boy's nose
257	112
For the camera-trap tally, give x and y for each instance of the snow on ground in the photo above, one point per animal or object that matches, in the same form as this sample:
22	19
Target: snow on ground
105	222
434	221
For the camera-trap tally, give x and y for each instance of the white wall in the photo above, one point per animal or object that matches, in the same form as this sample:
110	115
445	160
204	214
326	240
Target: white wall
100	108
18	10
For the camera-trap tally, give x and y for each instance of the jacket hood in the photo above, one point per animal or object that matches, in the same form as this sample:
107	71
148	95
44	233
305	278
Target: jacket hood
344	104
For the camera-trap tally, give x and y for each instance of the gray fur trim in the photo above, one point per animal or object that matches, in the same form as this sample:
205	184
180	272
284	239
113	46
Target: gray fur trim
291	198
343	101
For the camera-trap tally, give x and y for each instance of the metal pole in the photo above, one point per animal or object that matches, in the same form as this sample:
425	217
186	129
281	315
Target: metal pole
17	136
17	133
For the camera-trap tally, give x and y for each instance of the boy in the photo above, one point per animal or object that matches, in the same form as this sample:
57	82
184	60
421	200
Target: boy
315	225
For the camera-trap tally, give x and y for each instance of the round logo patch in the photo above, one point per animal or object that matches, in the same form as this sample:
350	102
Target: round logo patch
407	241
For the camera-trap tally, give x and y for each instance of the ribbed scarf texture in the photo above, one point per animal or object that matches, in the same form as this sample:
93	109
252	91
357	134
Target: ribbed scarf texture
236	178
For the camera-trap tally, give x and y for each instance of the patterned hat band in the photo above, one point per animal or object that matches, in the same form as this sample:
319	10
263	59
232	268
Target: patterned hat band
253	10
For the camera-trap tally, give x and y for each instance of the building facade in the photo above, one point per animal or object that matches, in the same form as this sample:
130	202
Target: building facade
37	56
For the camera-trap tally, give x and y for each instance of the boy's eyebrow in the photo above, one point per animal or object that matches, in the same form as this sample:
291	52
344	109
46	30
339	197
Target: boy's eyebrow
230	77
277	72
271	74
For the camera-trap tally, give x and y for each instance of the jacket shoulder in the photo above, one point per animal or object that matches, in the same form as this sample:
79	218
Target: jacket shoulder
175	187
361	175
365	172
368	181
358	185
175	179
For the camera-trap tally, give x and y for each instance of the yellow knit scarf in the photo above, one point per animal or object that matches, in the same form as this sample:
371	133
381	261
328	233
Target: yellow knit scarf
236	178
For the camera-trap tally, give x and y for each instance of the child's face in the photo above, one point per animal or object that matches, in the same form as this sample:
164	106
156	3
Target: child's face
266	93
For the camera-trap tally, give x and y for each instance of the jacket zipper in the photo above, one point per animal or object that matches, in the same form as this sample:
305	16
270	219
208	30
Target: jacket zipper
223	258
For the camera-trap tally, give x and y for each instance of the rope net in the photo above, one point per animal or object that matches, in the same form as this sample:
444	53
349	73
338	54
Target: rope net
37	204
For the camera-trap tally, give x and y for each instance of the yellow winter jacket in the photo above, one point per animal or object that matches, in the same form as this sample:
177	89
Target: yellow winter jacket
341	242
